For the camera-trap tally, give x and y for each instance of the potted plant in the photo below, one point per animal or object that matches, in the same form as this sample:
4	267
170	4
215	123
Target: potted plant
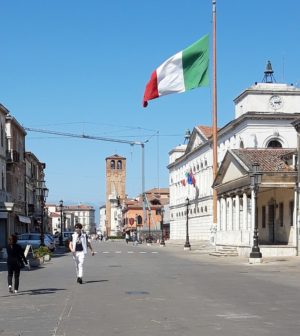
43	252
40	255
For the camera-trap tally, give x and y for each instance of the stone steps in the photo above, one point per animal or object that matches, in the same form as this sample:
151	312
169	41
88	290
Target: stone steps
225	251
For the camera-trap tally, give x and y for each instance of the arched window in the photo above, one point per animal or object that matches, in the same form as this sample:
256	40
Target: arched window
241	144
112	164
274	144
119	164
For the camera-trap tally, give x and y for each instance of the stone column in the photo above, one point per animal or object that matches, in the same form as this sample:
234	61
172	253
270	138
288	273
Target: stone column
237	213
219	221
245	212
295	219
224	214
230	222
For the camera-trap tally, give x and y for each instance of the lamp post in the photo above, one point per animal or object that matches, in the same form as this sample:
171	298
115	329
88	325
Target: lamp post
42	193
255	182
136	228
187	245
61	207
162	241
149	232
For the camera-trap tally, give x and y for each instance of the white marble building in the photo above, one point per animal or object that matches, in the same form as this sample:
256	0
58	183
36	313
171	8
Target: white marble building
263	116
102	218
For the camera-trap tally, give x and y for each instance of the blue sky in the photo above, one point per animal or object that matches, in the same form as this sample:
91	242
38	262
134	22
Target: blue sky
82	66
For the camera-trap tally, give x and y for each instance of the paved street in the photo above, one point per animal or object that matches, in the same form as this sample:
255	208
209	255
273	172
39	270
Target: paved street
149	291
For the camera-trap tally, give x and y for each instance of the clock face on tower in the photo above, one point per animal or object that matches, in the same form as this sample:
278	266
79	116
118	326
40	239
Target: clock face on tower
276	102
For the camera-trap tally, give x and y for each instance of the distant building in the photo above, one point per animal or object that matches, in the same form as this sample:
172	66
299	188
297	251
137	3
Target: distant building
115	193
146	217
102	218
83	214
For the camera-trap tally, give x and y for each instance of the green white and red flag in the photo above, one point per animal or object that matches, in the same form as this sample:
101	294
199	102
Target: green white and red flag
186	70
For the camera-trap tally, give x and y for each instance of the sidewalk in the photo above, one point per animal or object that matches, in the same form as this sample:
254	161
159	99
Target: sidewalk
203	249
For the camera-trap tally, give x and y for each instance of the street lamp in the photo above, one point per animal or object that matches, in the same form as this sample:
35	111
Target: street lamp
149	232
42	193
162	241
136	228
187	245
61	207
255	182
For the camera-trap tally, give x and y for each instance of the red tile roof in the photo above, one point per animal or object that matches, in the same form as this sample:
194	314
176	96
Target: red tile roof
206	130
269	159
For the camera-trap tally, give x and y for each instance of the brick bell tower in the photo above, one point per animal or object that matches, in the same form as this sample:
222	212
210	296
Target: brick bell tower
115	192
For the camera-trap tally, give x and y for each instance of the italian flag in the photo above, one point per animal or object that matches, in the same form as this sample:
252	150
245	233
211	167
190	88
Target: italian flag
184	71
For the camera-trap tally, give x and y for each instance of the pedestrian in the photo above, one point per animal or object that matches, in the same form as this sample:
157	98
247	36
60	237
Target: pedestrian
79	246
15	261
127	237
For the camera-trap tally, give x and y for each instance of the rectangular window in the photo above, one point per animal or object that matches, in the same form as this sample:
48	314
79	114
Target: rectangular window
281	214
263	216
291	212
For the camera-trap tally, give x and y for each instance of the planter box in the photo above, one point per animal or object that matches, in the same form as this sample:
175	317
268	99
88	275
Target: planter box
36	262
47	257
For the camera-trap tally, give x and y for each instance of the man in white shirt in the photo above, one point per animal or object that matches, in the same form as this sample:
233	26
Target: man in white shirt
78	246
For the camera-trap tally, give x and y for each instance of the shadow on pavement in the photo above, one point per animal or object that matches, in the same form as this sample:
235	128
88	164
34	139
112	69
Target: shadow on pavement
39	291
92	281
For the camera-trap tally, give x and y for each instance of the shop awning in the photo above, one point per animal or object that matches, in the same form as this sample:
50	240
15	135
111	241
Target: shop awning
24	219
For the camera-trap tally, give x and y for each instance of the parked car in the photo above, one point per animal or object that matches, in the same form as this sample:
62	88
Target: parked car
34	239
67	236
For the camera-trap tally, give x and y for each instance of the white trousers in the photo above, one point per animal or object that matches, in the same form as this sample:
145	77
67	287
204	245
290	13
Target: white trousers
79	260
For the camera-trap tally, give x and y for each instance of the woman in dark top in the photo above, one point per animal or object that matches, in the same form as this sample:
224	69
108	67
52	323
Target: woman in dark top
15	258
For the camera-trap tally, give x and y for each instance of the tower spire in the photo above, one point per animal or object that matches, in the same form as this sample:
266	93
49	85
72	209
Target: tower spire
268	77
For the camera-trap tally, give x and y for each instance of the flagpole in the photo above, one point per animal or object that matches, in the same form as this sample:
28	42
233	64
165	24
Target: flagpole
214	117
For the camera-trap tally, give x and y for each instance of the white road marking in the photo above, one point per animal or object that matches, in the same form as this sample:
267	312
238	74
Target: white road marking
232	316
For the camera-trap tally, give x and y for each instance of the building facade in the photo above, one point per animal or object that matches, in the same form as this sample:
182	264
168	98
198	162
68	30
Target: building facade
16	170
102	218
264	114
83	214
6	204
145	218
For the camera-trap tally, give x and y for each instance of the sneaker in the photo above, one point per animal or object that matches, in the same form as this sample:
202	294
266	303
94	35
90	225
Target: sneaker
15	291
79	280
10	289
